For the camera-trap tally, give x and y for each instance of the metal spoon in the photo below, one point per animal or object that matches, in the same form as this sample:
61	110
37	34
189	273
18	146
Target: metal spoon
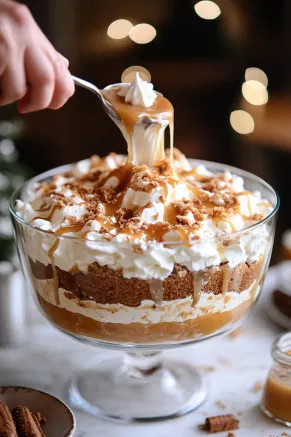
145	119
108	108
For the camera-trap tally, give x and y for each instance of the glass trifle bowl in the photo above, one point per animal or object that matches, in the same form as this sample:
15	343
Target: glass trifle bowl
141	297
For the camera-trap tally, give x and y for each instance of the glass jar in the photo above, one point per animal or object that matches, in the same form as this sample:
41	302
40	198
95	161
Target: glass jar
276	402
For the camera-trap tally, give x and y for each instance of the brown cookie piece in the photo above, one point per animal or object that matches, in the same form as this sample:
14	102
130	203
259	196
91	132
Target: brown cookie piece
7	426
225	422
26	425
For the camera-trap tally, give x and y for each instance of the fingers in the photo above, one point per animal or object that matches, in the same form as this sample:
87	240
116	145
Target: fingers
65	60
50	84
27	57
40	77
12	82
64	84
12	73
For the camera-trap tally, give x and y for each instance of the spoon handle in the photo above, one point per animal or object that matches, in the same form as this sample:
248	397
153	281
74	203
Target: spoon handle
89	86
94	89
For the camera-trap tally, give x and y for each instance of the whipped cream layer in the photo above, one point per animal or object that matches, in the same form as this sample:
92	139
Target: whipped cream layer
142	220
178	310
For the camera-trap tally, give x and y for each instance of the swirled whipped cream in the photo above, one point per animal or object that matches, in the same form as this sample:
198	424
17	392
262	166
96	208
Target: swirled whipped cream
142	220
138	93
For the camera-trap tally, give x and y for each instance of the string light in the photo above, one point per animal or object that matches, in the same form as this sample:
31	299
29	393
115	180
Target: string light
129	74
254	73
242	122
208	10
142	33
255	92
119	29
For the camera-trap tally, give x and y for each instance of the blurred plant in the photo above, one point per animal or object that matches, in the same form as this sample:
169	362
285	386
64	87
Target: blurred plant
12	174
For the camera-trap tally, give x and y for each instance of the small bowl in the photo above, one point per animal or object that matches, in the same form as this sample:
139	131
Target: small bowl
60	419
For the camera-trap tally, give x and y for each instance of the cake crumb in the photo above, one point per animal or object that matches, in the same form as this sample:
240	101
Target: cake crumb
226	422
231	434
220	405
258	386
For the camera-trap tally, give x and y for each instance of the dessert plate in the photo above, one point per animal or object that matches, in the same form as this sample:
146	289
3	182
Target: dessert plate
60	419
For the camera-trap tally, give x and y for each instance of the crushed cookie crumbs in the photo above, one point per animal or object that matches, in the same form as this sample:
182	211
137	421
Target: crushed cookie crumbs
213	197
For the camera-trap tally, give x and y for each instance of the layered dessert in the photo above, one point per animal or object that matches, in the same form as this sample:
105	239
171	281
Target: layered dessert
147	248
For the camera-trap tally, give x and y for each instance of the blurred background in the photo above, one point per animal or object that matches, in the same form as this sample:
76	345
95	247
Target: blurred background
225	65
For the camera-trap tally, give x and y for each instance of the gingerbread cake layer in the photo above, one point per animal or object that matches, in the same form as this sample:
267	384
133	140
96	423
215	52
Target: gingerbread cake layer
106	286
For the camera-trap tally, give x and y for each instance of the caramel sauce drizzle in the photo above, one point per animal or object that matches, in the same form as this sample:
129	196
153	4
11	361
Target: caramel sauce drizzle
131	115
50	216
157	291
198	278
157	231
226	275
123	174
51	252
170	215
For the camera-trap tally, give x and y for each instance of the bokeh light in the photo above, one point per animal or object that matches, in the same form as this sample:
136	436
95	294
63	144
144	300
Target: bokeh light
142	33
119	29
129	74
254	73
207	9
255	92
242	122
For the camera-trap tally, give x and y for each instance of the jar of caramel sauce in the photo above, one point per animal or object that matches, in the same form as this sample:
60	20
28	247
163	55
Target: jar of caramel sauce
276	401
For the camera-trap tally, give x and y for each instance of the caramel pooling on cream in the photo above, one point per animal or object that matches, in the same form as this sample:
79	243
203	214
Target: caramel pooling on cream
153	120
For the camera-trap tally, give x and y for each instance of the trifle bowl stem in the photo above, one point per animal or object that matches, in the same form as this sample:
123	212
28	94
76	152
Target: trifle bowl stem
138	386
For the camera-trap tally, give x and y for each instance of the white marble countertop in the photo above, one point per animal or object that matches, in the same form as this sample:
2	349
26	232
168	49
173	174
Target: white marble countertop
232	365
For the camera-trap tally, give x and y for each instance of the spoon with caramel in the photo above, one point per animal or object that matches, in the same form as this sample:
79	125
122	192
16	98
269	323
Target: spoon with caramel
142	126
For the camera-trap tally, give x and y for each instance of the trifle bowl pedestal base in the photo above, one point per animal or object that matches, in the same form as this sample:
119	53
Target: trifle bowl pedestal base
138	387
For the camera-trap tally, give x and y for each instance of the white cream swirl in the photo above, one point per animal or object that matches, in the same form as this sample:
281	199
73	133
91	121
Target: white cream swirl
138	93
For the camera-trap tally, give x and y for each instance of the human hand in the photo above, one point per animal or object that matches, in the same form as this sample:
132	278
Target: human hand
32	72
